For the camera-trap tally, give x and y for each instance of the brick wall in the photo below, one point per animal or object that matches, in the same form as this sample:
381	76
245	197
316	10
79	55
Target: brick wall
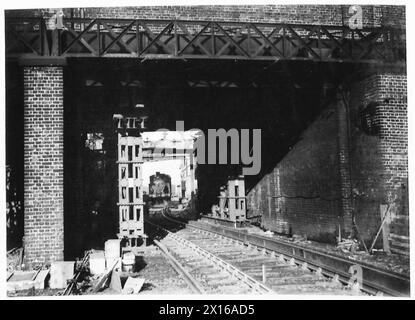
43	164
380	160
342	169
302	193
394	152
373	16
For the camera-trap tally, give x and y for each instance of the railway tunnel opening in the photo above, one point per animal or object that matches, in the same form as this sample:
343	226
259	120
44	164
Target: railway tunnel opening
281	98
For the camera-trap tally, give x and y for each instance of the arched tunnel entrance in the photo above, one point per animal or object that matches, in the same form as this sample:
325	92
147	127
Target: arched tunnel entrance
280	98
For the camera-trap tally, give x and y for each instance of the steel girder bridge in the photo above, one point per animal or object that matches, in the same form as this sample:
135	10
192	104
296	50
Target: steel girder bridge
162	39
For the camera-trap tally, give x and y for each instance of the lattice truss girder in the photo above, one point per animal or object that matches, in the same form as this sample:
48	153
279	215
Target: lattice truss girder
203	39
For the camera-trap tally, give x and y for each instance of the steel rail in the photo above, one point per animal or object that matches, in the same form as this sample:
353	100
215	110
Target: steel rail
234	271
193	284
375	280
72	284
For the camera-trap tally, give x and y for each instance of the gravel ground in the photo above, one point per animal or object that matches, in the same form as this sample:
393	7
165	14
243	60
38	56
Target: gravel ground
160	277
34	293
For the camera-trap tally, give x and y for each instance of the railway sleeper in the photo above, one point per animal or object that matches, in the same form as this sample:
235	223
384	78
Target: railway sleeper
306	279
243	255
313	289
249	262
221	283
269	268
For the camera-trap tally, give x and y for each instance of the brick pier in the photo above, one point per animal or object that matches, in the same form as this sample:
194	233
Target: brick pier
43	163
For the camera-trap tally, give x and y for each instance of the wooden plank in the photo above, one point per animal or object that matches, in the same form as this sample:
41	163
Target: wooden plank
37	272
383	220
104	277
385	228
269	195
9	275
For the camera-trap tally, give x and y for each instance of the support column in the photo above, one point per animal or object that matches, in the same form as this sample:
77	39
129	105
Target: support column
392	117
43	164
379	156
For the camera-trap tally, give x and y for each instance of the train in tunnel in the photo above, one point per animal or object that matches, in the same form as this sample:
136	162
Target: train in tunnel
159	187
159	193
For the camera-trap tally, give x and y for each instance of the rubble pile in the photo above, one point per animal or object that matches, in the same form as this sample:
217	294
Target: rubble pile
99	272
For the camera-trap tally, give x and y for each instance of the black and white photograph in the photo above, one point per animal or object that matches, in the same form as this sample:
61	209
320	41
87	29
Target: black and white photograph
174	150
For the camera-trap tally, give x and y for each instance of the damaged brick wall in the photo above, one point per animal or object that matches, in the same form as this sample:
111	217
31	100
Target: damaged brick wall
302	194
331	175
379	156
394	148
43	164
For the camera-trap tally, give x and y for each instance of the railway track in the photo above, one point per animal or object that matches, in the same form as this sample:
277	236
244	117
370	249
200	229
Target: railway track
204	272
224	265
371	280
160	277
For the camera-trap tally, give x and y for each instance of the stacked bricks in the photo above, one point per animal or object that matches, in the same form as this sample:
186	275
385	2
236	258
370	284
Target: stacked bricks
43	164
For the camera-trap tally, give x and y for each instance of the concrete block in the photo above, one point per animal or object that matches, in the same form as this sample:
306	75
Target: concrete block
109	262
128	258
60	273
23	280
41	279
128	261
115	283
20	280
97	262
133	285
113	248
